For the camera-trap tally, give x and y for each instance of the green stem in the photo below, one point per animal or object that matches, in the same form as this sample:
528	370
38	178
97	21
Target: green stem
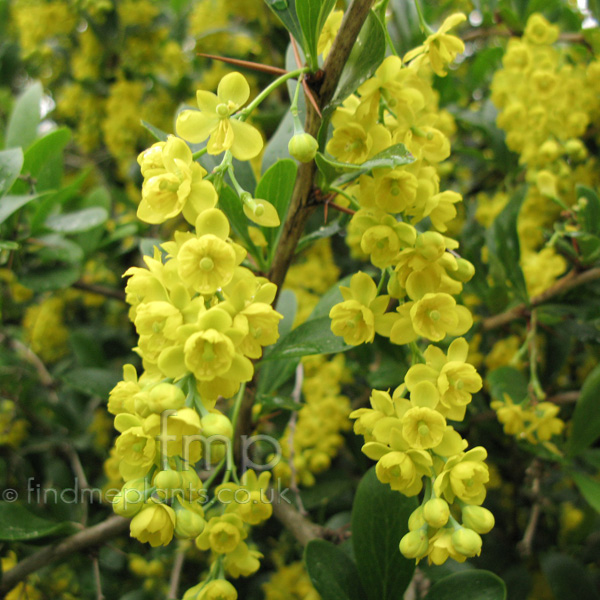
417	355
200	153
424	25
382	280
237	405
245	113
214	474
353	202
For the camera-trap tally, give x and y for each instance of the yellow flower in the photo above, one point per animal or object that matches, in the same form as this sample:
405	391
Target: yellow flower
154	524
437	315
464	476
222	534
172	183
423	427
329	31
137	451
215	120
439	47
538	31
217	589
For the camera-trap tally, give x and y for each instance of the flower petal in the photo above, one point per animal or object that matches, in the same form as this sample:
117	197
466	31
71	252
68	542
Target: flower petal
247	140
234	88
195	126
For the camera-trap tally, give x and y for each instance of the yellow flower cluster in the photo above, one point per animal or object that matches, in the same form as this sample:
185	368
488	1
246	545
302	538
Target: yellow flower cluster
535	422
12	429
316	437
410	437
411	441
290	582
44	329
547	97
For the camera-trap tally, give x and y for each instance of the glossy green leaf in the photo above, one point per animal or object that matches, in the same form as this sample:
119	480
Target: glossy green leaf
589	488
589	215
231	205
17	524
329	299
568	578
473	584
366	56
507	380
39	154
92	381
54	247
504	248
286	13
80	220
11	162
332	572
276	186
24	118
159	134
311	17
379	520
324	231
11	204
586	418
45	280
341	172
312	337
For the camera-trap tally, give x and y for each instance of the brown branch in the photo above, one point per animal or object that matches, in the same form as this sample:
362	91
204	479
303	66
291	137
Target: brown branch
176	574
92	536
486	32
298	525
571	280
101	290
300	207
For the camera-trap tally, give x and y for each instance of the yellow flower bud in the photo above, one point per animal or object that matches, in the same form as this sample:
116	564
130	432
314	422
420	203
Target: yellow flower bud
166	482
189	524
436	512
466	542
477	518
216	424
303	147
414	544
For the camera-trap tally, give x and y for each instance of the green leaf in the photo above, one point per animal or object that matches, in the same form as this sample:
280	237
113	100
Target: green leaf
590	214
57	248
586	418
504	247
92	381
341	172
276	186
231	205
9	245
25	118
79	220
11	204
324	231
379	520
270	404
507	380
312	15
286	13
44	280
11	162
329	299
589	488
568	578
332	572
366	56
18	524
159	134
39	154
472	584
312	337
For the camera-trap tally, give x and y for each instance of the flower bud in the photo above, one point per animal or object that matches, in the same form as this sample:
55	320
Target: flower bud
216	424
414	544
303	147
477	518
416	520
466	542
189	524
436	512
131	498
167	481
464	272
190	484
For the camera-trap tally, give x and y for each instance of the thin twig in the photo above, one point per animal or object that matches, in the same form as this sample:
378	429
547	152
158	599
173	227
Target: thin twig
176	574
97	578
248	64
88	538
526	543
296	397
298	525
101	290
571	280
